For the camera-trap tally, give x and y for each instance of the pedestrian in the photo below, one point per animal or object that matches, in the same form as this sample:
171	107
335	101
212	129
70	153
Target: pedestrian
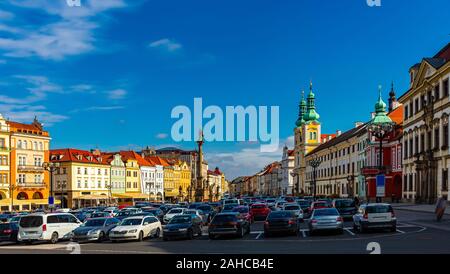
441	205
356	201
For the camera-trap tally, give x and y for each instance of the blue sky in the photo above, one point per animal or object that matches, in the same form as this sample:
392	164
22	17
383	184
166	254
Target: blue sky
108	74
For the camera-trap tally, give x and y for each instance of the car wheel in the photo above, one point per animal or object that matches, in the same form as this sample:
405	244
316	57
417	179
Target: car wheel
141	236
158	233
54	238
101	237
190	234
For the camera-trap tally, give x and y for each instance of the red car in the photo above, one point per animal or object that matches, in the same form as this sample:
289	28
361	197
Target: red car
259	211
244	213
318	205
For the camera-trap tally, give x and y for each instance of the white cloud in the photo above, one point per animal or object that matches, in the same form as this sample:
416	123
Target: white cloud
246	161
4	15
2	62
162	136
117	94
71	32
26	114
166	44
98	108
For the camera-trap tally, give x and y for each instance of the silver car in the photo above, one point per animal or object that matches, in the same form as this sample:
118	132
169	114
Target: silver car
296	209
96	229
326	219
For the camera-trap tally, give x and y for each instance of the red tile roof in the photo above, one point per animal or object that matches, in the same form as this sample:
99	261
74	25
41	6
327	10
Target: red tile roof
157	160
26	128
127	155
76	155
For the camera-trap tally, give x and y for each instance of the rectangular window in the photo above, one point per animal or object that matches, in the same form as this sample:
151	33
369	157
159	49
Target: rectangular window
445	180
445	136
416	106
436	138
406	112
445	87
437	94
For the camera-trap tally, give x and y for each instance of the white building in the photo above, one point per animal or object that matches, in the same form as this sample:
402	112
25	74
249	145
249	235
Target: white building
287	168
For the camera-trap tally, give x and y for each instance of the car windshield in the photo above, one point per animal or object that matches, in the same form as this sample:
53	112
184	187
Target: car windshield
241	209
258	206
320	204
31	221
326	212
345	203
293	207
180	220
123	213
224	218
379	209
229	207
204	208
129	222
95	222
303	203
175	211
280	214
190	212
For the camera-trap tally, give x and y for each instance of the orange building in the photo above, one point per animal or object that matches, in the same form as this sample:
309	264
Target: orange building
29	150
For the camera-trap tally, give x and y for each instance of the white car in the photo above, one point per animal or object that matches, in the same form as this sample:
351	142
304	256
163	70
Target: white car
172	213
294	207
136	228
375	216
47	227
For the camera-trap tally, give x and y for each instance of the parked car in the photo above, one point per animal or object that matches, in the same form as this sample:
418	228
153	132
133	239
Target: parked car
259	211
326	219
228	224
375	216
4	218
183	226
100	214
155	211
305	206
279	204
281	222
96	229
125	214
172	213
8	232
230	201
47	227
296	209
319	205
207	211
346	207
136	228
229	207
244	213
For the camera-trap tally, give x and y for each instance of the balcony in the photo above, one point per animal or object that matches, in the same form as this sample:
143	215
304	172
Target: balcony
31	185
29	168
374	170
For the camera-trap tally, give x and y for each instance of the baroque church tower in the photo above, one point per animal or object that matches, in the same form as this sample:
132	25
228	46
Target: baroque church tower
307	136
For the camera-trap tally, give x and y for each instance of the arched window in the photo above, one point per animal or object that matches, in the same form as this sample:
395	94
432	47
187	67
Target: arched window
19	144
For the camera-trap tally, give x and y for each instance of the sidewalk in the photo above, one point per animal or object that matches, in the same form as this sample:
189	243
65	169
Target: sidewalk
416	208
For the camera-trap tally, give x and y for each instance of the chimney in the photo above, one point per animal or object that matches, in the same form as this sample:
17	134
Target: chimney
358	124
338	133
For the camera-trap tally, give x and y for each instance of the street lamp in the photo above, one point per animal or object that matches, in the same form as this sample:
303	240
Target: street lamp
314	163
51	167
380	127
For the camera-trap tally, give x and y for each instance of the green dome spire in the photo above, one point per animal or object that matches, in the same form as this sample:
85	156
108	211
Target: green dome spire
302	111
380	111
311	114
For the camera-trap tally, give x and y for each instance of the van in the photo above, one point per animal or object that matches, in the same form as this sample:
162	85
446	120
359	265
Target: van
50	227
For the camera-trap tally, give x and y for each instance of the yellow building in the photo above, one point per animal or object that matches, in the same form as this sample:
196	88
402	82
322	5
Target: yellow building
83	178
4	160
170	191
133	175
29	150
182	179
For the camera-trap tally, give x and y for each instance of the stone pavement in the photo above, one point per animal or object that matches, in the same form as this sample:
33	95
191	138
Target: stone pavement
417	208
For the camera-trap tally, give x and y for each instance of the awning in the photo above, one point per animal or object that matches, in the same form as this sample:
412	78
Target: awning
132	196
7	202
92	197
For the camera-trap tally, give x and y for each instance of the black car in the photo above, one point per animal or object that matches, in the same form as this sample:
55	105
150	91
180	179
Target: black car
346	207
228	224
8	232
183	226
281	222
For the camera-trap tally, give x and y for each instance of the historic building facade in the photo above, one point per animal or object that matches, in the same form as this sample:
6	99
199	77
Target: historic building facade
425	129
287	168
4	159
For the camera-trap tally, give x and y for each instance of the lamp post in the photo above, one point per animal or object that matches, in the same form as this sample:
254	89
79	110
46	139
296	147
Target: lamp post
11	194
314	163
380	127
51	167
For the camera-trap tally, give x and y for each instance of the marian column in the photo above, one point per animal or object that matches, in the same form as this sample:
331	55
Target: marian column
199	188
